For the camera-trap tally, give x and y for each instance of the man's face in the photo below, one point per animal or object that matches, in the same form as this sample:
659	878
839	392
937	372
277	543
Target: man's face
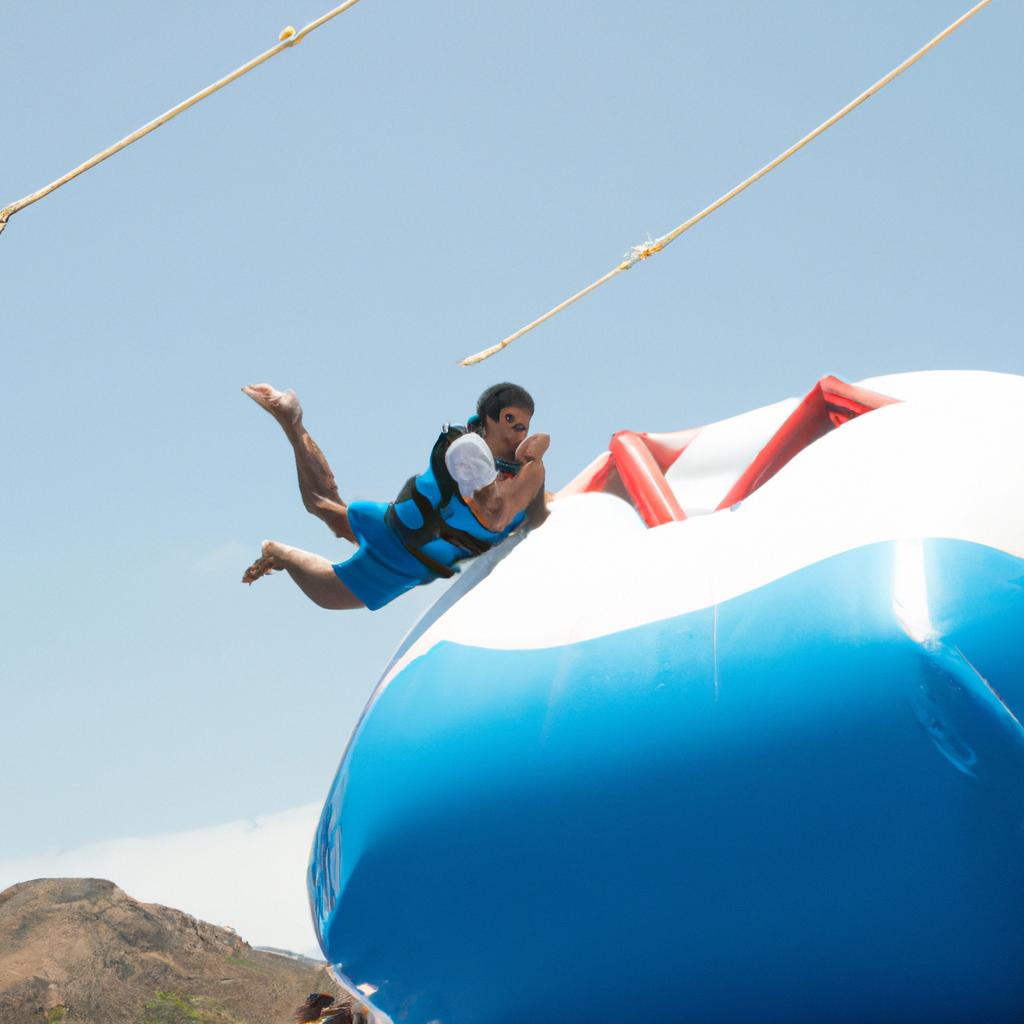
510	431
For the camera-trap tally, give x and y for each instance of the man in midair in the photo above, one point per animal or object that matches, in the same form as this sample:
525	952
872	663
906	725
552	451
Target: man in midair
483	482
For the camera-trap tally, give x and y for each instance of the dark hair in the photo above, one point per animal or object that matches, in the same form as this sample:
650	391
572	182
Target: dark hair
322	1008
501	396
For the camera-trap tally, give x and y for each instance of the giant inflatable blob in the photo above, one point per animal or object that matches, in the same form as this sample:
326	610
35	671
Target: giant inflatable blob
733	737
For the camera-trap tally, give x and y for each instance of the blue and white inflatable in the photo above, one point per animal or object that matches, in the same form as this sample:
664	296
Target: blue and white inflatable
762	763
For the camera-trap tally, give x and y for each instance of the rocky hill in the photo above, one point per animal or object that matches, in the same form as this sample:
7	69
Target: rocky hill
80	951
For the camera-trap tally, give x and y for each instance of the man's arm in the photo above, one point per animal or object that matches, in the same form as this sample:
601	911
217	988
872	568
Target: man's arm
497	504
537	510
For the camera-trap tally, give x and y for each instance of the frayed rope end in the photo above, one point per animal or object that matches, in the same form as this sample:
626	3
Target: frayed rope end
638	253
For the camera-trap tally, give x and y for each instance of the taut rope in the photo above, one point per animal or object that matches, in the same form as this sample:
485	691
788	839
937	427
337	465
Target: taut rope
288	38
638	253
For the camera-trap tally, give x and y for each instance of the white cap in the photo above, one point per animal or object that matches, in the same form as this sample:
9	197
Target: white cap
470	463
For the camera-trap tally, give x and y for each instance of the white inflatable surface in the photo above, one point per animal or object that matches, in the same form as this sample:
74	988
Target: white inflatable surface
933	465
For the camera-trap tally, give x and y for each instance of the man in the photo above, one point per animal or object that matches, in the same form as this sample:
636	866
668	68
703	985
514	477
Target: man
482	484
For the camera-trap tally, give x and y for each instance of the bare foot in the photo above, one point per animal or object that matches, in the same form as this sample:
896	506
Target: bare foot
282	405
269	561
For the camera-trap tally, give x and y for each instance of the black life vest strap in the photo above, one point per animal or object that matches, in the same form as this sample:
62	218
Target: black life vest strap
434	527
474	545
443	571
412	540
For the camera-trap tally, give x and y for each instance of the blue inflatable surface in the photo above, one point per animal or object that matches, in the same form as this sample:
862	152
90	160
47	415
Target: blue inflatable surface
800	801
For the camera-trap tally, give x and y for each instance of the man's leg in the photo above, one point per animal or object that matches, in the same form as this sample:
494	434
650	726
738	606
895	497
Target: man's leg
313	574
316	481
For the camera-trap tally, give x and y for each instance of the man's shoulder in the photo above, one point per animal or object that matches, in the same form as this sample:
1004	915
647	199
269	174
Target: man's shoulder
470	463
465	439
469	446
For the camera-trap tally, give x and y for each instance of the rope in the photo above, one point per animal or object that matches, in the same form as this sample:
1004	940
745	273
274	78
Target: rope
639	253
287	39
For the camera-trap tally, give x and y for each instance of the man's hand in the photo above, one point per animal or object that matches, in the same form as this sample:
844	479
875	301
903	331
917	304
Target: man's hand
533	448
497	504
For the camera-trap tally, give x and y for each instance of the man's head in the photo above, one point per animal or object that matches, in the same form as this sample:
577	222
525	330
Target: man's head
504	411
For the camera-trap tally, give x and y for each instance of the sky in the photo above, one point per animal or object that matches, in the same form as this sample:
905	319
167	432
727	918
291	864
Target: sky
410	184
214	873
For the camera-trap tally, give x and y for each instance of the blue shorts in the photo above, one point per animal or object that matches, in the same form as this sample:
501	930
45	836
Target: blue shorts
382	569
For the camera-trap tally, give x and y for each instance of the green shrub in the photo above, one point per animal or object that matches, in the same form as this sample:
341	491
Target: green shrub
169	1008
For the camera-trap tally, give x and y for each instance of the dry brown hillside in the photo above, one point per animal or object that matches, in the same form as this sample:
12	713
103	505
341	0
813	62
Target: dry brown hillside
80	951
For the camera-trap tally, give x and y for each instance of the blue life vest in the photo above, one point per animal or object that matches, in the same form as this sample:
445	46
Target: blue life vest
432	520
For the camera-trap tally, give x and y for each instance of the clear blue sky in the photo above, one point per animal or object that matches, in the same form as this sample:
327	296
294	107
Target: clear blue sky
410	184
